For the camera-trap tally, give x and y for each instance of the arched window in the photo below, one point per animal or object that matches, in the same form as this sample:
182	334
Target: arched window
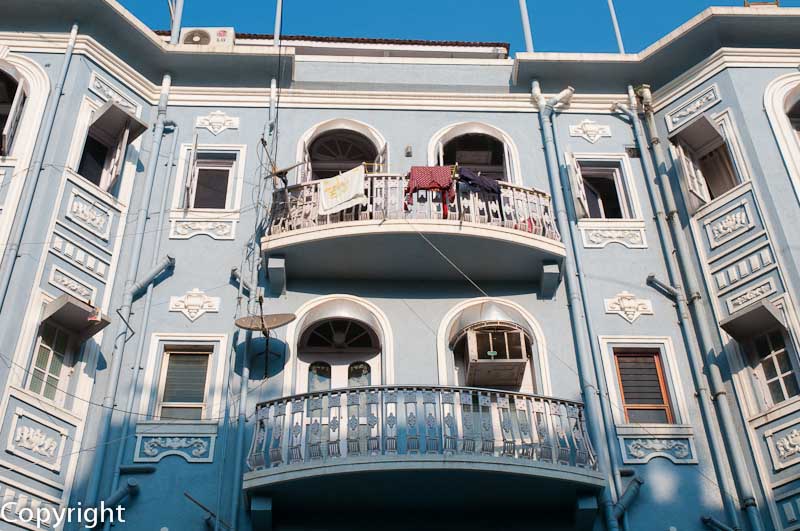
493	354
339	336
12	101
359	374
794	118
478	152
337	151
319	377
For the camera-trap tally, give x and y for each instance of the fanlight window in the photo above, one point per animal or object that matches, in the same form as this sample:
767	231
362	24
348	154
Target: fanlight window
339	335
477	152
494	353
338	151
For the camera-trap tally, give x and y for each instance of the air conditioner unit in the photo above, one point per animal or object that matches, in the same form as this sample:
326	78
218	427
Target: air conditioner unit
495	357
216	37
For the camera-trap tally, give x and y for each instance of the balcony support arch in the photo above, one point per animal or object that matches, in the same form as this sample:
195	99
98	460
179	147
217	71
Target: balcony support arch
338	305
449	323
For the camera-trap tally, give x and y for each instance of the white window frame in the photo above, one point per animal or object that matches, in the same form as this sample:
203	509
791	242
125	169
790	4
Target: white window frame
187	178
626	189
672	381
180	350
765	397
67	365
202	164
153	377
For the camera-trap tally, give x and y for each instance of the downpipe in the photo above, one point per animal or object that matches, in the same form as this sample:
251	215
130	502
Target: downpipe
714	524
675	292
630	494
177	16
589	390
702	318
137	367
35	172
131	288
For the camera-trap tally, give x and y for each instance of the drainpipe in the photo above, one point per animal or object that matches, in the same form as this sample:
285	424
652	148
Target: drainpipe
526	25
715	524
630	494
175	31
131	487
702	318
276	35
137	367
678	295
590	392
32	177
131	288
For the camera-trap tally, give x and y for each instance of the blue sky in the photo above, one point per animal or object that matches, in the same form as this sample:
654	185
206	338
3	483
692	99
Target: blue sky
560	25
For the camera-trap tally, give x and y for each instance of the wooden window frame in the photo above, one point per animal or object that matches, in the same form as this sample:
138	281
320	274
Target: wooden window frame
666	405
66	363
171	350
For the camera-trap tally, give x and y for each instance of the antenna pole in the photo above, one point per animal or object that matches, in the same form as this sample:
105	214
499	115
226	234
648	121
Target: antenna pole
616	26
276	35
177	15
526	25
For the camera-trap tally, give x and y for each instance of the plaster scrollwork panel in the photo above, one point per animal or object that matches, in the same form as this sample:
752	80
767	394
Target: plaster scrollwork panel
107	92
36	440
71	285
696	105
590	131
217	122
784	444
751	295
194	449
597	237
89	215
729	224
640	450
628	306
194	304
183	229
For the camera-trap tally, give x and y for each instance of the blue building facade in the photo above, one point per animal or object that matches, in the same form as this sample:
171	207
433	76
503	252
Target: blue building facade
590	322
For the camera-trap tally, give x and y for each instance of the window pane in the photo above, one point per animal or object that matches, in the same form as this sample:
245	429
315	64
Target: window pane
42	357
37	380
50	388
48	335
776	392
211	188
783	362
482	340
642	416
358	374
61	342
186	378
319	377
93	160
769	368
791	385
56	364
181	413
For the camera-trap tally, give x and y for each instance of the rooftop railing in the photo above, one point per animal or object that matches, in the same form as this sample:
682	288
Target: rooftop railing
515	207
406	421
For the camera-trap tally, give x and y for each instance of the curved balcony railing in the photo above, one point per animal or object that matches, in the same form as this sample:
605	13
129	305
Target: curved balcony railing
524	209
398	422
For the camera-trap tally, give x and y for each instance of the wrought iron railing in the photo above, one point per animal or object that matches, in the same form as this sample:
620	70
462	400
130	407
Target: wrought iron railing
524	209
403	422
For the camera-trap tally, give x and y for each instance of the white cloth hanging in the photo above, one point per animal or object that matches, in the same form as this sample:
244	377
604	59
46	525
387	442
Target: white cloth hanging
341	192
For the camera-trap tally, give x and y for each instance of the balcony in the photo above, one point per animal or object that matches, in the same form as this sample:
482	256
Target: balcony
510	236
430	445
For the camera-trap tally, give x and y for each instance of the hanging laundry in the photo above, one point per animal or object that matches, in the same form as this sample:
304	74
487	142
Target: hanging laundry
342	191
487	184
438	178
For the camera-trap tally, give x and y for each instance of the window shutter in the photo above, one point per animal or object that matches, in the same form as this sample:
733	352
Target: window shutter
190	175
380	160
690	174
186	378
12	122
576	183
118	158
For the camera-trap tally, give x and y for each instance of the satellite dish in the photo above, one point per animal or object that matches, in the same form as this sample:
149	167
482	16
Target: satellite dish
264	323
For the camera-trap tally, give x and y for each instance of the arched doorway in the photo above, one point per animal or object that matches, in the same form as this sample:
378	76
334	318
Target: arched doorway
339	353
338	151
481	153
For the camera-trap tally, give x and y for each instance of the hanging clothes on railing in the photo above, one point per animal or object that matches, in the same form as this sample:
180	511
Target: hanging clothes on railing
342	192
476	180
438	178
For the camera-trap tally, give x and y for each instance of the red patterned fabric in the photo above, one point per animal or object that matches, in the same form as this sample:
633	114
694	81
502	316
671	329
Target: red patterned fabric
432	178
